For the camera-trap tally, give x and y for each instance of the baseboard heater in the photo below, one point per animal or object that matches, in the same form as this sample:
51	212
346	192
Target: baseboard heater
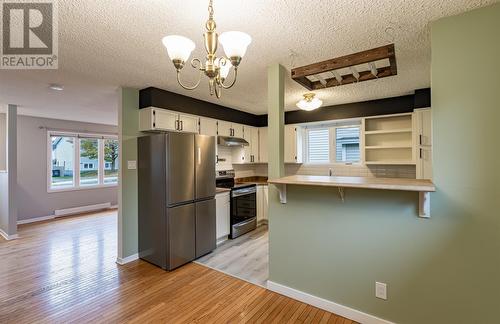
82	209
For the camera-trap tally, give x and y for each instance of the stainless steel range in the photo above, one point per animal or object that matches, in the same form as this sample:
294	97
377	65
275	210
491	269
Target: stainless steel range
243	215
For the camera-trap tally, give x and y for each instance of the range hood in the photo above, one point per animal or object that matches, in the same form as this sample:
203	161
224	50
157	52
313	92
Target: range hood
231	141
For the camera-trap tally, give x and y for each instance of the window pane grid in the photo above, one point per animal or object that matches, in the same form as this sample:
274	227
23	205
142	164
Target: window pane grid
79	161
89	162
62	162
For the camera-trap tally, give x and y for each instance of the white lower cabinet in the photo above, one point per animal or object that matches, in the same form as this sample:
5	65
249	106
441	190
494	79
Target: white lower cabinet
222	210
262	203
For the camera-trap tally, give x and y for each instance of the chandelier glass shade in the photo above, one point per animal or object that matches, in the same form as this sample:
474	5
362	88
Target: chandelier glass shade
217	69
309	102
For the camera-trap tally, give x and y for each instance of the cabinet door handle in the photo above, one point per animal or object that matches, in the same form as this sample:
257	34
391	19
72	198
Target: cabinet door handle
177	125
420	153
182	126
420	139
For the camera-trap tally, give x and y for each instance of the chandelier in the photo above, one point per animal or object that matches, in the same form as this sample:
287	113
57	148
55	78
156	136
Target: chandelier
217	69
309	102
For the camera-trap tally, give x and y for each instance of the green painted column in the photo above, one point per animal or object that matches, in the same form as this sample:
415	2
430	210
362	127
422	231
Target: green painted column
276	123
276	119
128	128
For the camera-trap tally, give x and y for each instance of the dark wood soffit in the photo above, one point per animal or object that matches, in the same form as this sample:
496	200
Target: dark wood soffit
154	97
300	74
168	100
386	106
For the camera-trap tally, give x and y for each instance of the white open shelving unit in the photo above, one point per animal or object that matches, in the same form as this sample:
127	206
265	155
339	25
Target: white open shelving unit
389	140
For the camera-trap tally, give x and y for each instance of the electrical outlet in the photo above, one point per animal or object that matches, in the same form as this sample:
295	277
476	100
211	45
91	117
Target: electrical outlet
381	290
132	165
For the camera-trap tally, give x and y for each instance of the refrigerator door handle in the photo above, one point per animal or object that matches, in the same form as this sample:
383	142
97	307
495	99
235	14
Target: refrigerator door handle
199	155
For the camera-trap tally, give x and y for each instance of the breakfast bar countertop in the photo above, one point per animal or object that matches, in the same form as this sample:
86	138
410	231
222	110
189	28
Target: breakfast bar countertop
358	182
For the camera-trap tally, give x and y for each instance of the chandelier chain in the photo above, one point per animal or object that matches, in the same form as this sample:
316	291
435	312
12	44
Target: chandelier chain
210	9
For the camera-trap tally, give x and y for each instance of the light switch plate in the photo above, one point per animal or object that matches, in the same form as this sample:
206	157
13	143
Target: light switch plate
132	165
381	290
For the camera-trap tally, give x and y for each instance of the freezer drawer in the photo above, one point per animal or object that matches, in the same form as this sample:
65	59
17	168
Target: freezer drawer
181	235
205	227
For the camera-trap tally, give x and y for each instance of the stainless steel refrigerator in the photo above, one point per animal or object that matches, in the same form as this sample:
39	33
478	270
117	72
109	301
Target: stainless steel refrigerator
176	174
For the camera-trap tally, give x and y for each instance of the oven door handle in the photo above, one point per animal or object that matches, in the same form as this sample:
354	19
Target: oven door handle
244	223
243	192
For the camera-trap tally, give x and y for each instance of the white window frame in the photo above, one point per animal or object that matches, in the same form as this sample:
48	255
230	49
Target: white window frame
306	144
332	127
76	164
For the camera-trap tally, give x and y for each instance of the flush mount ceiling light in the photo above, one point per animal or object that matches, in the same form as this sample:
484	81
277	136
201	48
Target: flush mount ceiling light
56	87
235	45
309	102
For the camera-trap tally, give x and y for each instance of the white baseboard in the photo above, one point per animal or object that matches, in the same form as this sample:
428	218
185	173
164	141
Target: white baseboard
49	217
82	209
7	236
122	261
36	219
262	222
327	305
221	240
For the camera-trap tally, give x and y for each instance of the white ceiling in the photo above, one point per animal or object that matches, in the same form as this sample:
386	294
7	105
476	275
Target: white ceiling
112	43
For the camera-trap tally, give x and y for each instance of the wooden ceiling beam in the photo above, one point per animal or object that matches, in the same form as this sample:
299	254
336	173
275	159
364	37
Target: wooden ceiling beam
305	82
371	55
301	74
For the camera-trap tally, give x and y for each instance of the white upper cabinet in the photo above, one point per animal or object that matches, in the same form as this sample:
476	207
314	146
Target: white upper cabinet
424	121
188	123
208	126
263	145
423	132
237	130
293	145
225	128
251	135
157	119
254	144
152	119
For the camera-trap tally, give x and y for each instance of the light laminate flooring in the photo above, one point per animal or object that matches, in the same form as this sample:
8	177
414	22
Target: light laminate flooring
246	257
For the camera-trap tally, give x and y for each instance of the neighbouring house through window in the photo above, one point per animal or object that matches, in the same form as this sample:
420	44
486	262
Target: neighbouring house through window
96	156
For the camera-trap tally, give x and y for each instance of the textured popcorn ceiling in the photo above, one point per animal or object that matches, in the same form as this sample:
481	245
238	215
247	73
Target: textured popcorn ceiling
106	44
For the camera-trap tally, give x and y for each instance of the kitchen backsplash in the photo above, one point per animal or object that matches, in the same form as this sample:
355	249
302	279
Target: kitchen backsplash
379	171
224	155
388	171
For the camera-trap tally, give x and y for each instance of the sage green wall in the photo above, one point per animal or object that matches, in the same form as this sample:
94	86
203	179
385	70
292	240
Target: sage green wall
440	270
128	128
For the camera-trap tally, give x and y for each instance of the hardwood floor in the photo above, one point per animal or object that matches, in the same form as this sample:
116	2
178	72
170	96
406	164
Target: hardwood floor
64	271
246	257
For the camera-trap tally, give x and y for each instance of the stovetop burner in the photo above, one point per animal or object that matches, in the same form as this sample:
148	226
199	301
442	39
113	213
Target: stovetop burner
225	179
